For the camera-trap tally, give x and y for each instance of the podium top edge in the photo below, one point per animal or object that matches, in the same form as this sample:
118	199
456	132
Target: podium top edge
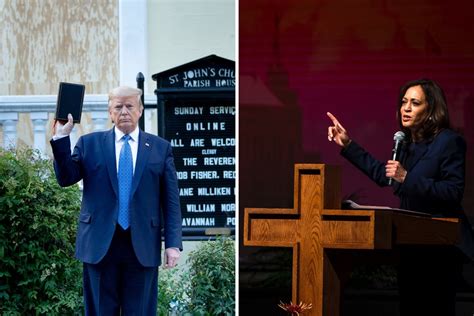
314	166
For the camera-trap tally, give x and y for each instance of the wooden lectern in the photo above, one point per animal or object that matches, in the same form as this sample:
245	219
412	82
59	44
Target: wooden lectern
319	232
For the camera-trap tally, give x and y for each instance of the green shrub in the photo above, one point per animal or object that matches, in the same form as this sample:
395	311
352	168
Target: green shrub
173	288
211	272
205	287
38	272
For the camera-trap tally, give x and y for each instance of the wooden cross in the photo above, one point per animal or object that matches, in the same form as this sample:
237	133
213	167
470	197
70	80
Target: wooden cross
319	232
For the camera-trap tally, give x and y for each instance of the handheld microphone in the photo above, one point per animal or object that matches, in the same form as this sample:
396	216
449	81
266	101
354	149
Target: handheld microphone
398	138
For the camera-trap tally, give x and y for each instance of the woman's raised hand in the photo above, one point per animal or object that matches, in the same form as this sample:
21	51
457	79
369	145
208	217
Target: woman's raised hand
337	132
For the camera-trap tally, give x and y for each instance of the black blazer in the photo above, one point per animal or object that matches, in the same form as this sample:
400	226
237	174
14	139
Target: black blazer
435	180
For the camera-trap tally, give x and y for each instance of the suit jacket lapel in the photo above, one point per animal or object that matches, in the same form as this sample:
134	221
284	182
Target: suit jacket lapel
108	149
144	149
410	162
417	155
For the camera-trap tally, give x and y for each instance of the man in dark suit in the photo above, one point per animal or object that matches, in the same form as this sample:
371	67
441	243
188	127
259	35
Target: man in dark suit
130	191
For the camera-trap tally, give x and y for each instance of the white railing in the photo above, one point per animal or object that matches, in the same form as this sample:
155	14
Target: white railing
31	117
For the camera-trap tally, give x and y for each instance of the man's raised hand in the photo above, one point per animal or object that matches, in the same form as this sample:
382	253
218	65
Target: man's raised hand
62	130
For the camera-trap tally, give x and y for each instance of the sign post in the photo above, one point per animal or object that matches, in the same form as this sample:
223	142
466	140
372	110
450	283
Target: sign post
196	113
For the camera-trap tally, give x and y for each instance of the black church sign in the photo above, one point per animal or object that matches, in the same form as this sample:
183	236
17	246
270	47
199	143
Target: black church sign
196	113
212	73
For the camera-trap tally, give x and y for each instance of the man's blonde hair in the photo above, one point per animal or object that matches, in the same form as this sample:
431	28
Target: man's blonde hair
126	91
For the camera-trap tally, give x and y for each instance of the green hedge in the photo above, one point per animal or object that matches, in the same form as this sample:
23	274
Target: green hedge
206	286
38	272
212	278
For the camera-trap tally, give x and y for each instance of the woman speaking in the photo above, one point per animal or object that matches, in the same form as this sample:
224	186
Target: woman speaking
428	177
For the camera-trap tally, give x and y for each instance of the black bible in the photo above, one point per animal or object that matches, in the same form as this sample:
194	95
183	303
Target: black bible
70	100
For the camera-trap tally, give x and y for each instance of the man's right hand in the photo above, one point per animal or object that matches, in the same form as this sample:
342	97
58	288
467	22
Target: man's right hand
62	130
337	133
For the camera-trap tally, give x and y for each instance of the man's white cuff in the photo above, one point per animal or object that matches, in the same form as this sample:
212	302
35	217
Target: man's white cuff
56	137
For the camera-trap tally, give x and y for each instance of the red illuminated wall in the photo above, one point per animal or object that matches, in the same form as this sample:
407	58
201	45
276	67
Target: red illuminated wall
300	59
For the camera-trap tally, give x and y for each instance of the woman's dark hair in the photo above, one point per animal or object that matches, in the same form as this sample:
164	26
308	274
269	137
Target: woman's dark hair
437	116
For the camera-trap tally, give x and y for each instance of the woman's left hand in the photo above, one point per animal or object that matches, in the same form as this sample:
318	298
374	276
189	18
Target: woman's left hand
395	170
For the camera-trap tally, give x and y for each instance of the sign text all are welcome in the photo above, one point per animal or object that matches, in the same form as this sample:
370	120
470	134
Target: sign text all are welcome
203	140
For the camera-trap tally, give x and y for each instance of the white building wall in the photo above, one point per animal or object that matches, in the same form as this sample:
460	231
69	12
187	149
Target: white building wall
180	31
152	36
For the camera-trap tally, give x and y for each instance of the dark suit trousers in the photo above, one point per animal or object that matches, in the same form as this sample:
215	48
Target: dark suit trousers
119	284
